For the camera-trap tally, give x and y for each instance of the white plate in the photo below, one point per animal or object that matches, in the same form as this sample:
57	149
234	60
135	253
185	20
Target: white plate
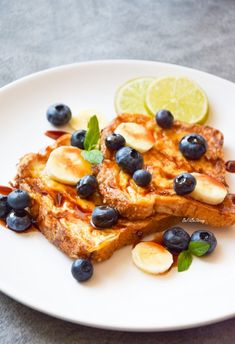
119	296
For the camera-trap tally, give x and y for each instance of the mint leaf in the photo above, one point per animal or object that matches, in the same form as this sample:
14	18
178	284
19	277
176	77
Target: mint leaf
184	260
198	248
94	156
91	154
93	134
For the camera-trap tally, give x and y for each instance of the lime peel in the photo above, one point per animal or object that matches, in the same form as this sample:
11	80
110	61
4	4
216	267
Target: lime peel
130	97
180	95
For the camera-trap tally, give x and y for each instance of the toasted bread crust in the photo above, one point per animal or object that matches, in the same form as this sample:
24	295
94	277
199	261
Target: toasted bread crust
165	161
64	218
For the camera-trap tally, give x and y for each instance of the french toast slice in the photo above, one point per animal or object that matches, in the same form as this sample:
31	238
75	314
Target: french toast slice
64	218
165	161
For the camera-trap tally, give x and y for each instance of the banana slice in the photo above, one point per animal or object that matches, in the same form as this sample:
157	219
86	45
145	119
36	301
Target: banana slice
152	257
208	189
136	136
81	119
67	166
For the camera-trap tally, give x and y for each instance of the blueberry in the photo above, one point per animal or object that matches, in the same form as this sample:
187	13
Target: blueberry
86	186
78	138
184	184
164	119
18	221
205	236
59	114
18	199
115	141
82	269
176	239
142	177
193	146
104	216
129	160
4	207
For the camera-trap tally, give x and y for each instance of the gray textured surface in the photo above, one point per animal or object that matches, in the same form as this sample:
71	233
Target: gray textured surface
35	35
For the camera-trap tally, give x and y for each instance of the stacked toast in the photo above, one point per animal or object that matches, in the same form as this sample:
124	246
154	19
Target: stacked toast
65	218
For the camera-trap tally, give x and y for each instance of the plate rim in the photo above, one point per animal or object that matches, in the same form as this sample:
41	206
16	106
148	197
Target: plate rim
100	325
132	329
105	61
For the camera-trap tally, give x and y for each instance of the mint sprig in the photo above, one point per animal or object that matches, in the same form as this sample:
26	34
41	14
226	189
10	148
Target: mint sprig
198	248
185	259
195	248
93	134
94	156
90	152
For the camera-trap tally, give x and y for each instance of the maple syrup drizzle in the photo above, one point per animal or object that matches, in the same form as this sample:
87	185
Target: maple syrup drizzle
55	134
59	199
2	223
5	190
230	166
233	198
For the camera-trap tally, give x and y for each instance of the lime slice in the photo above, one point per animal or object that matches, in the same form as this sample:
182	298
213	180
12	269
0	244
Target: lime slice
130	97
80	120
180	95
